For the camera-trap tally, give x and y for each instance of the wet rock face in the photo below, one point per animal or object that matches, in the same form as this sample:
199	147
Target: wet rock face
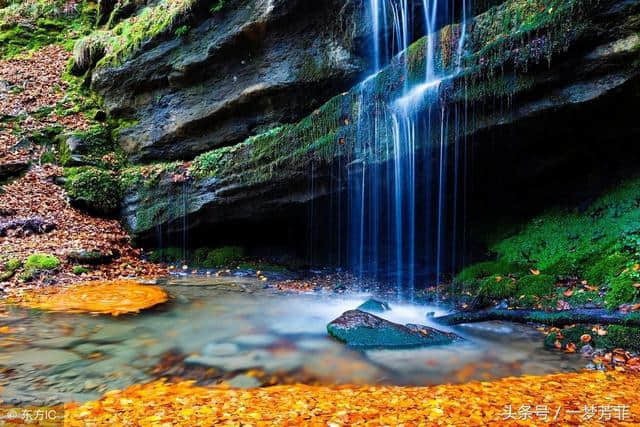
364	330
598	71
255	63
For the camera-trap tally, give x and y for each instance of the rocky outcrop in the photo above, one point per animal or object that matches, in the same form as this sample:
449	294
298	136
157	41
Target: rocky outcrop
364	330
541	65
249	65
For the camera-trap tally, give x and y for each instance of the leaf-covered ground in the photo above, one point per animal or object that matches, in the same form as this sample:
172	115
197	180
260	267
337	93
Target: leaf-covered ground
589	398
35	194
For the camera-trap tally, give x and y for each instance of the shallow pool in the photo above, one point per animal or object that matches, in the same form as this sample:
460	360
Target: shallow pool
236	330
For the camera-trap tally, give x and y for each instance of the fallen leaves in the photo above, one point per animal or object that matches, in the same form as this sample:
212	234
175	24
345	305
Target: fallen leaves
35	194
471	404
34	81
115	298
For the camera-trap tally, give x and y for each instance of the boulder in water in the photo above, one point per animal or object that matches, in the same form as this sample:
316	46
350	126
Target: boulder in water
374	306
364	330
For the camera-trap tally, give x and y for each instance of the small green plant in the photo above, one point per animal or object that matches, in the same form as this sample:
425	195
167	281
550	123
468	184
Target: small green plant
182	30
41	262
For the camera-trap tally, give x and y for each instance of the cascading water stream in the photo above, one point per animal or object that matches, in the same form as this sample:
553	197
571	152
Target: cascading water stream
399	180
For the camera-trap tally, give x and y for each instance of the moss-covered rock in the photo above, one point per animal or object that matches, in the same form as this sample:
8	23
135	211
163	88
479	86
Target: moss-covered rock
93	189
597	245
41	262
515	42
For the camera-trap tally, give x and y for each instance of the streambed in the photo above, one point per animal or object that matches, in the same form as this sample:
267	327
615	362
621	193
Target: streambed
236	330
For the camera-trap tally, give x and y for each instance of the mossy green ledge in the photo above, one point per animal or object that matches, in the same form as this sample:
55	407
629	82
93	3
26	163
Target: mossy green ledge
536	55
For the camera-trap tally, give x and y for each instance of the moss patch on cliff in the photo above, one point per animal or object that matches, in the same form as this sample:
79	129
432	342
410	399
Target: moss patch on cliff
114	43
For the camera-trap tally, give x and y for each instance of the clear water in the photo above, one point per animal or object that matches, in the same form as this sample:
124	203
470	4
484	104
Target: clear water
234	325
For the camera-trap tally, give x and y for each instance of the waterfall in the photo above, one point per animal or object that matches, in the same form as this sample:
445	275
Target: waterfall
401	218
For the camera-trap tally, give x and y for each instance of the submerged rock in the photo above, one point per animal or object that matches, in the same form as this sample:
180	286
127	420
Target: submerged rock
361	329
373	305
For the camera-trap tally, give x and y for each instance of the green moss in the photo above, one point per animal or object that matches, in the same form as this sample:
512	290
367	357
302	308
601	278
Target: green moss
622	289
217	6
624	337
119	42
9	268
484	269
78	270
606	268
536	285
171	254
27	26
41	262
95	189
224	257
497	287
578	298
12	264
596	245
